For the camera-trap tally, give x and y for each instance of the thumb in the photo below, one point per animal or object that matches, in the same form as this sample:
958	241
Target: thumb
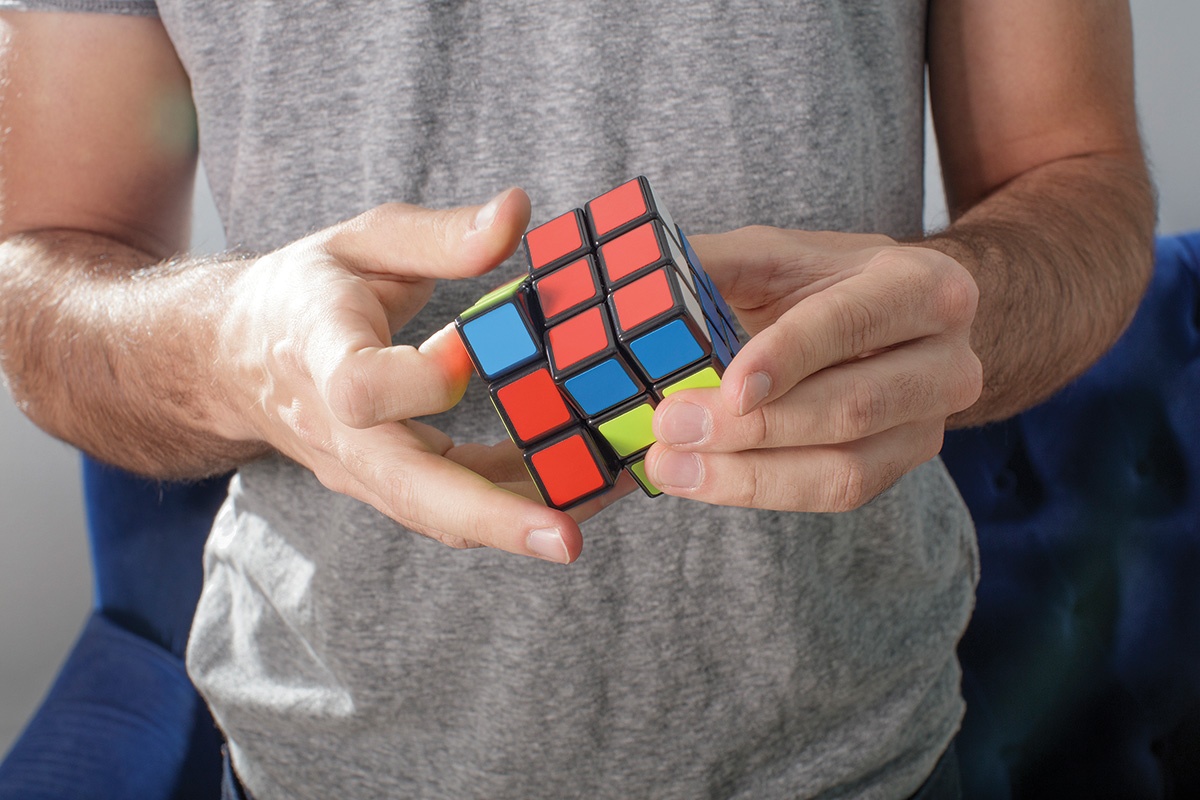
398	240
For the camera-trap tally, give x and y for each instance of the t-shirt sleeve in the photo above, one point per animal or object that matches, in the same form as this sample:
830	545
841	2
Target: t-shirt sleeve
141	8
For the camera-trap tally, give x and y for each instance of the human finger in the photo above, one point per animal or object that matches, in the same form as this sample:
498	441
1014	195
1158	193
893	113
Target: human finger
370	385
390	468
897	298
930	378
816	478
757	266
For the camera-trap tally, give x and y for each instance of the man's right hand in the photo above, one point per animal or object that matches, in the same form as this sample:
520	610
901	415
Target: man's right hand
307	367
174	368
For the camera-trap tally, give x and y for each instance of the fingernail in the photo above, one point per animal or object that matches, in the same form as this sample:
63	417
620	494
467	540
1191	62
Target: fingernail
487	214
548	543
678	470
684	423
755	389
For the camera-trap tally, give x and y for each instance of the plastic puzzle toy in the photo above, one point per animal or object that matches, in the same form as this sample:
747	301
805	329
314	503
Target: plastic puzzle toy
614	315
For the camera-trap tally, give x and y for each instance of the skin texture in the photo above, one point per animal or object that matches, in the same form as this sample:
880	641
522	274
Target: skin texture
864	348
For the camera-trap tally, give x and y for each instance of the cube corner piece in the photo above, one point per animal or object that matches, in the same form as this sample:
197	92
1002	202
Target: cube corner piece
501	332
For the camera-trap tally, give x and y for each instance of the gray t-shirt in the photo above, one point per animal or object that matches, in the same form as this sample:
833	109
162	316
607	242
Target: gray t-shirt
693	651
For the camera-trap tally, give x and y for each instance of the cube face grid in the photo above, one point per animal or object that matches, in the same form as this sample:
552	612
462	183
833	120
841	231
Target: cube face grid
615	314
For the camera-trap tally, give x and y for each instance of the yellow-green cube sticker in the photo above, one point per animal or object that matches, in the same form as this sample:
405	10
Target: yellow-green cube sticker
706	378
638	470
494	297
631	431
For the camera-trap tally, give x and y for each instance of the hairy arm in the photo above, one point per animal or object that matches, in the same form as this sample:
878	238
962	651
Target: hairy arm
1052	209
105	341
108	349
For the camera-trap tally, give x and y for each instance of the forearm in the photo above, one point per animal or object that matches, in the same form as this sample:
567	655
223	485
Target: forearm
116	354
1061	255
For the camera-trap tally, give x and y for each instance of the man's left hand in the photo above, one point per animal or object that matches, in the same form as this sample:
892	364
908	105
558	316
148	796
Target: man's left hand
860	352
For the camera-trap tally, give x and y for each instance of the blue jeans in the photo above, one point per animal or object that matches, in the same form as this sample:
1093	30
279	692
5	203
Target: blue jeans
231	787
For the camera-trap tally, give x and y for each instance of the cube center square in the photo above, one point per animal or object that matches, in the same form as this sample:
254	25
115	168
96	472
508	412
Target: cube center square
614	314
568	289
599	388
580	340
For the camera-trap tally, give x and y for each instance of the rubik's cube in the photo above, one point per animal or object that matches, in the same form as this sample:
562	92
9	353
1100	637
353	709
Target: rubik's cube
614	314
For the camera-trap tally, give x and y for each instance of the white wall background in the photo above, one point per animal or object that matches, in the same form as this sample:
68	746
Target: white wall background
45	587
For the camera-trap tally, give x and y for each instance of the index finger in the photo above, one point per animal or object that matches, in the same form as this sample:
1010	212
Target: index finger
898	297
371	385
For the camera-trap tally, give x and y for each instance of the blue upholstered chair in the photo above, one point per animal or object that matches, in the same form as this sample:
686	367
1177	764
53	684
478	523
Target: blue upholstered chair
1082	661
1081	665
121	720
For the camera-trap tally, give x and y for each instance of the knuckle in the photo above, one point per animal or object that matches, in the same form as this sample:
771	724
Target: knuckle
305	425
889	258
972	381
349	393
452	541
403	500
757	430
445	230
865	405
847	488
751	489
957	296
762	479
334	480
856	320
933	443
758	231
731	481
398	493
